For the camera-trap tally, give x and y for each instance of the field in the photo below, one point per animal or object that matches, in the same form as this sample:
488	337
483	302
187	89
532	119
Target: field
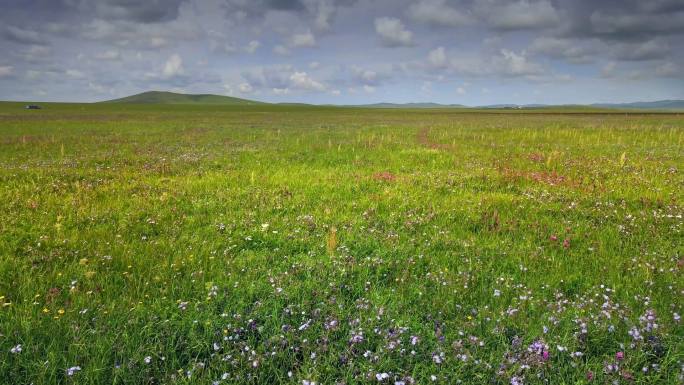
146	244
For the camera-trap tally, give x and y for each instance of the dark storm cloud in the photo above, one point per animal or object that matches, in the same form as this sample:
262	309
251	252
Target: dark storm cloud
146	11
623	19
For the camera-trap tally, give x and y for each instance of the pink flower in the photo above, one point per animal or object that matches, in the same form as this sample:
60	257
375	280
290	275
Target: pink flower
545	355
553	238
590	375
566	243
619	356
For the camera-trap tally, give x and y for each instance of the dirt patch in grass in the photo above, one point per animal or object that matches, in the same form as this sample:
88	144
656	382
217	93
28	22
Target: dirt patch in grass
384	176
423	137
544	177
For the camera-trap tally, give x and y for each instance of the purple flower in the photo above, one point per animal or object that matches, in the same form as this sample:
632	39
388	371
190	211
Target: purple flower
620	356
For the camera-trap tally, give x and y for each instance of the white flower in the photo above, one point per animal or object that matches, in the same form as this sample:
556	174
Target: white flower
16	349
73	370
381	376
148	359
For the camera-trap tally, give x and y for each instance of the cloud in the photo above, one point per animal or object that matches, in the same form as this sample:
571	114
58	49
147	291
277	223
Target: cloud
75	74
648	50
461	91
6	71
438	13
392	32
22	36
520	14
108	55
669	69
281	50
281	91
252	46
245	88
173	66
302	81
516	64
560	48
306	39
148	11
438	58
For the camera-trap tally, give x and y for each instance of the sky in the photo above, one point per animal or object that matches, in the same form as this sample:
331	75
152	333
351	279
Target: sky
471	52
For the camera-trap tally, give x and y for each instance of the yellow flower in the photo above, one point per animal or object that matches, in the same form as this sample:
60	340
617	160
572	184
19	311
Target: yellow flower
60	311
90	274
46	310
83	261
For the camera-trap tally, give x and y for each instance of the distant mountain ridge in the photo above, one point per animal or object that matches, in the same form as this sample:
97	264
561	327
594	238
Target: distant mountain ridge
163	97
658	104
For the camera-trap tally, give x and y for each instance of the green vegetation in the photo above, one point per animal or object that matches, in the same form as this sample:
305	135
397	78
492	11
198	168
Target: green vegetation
193	244
160	97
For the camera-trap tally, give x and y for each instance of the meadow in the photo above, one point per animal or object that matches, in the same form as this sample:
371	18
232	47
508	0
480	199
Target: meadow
152	244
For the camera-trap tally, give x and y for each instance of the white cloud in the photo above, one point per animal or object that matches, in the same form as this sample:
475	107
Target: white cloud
281	91
368	89
460	91
437	57
393	32
281	50
76	74
245	88
516	64
571	50
6	71
252	46
437	12
668	69
306	39
302	81
336	92
108	55
173	66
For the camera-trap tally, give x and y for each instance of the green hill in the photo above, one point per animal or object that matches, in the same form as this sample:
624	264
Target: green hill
161	97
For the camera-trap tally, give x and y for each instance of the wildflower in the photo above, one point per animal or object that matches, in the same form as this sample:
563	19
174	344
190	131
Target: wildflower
381	376
497	292
545	355
620	356
676	317
148	359
16	349
73	370
183	305
515	380
414	340
590	375
307	382
60	311
566	243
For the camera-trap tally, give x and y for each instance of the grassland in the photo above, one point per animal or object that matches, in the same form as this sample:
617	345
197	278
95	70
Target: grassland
144	244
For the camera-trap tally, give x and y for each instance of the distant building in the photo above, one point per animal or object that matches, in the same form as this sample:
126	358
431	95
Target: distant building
32	107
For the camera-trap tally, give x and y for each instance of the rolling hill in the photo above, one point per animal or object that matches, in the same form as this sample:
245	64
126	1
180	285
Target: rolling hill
161	97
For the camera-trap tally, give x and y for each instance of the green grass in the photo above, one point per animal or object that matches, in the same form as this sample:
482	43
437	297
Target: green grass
259	241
